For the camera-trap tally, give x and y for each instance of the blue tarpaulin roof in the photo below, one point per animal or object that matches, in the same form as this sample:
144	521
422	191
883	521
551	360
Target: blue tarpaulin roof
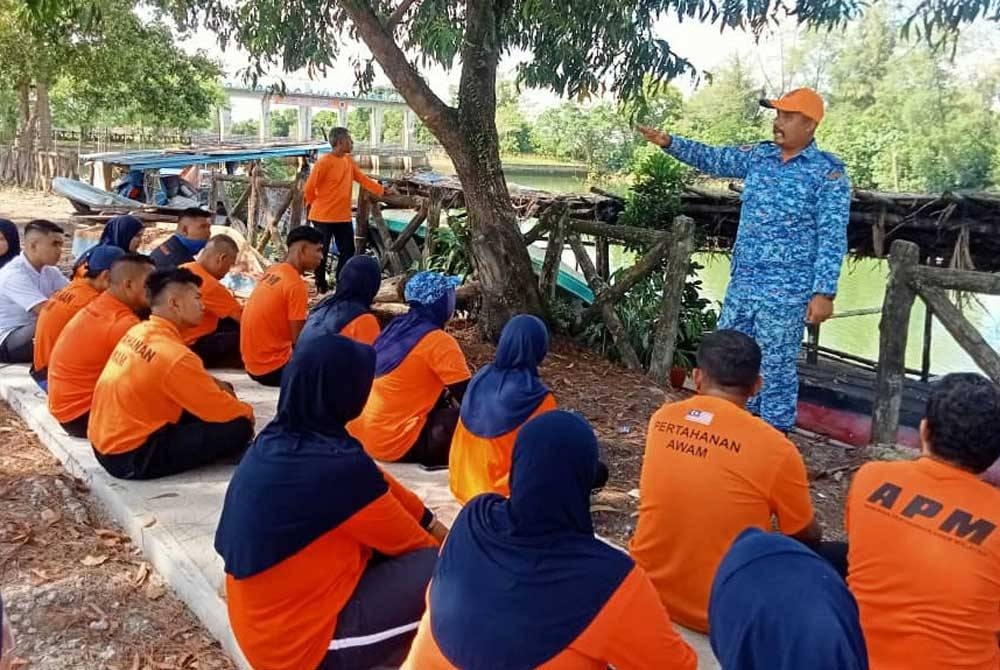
170	158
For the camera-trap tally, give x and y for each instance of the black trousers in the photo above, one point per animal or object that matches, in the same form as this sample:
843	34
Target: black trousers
836	555
19	345
433	445
178	447
220	349
343	233
379	622
272	378
78	426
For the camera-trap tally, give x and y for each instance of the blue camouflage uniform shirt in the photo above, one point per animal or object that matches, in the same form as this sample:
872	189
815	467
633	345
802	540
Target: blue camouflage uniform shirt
792	236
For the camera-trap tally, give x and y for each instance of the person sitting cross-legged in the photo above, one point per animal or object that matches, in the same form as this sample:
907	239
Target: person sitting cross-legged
86	343
156	410
66	302
216	340
776	605
348	311
712	469
277	309
924	544
524	583
500	399
327	557
420	376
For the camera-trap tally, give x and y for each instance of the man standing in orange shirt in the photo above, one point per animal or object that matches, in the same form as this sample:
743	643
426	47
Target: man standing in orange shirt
216	339
278	307
710	471
88	339
156	411
328	193
924	556
66	302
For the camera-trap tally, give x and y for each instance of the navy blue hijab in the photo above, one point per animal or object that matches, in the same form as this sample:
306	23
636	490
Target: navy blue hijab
431	297
118	232
357	285
518	580
13	237
776	605
505	393
304	475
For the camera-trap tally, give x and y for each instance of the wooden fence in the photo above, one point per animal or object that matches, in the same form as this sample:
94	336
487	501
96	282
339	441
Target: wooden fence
907	281
36	169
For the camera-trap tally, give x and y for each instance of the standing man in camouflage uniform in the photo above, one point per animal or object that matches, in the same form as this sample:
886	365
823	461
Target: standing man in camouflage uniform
791	240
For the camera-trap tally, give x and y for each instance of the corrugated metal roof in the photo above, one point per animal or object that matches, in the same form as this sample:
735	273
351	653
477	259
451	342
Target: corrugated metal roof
154	160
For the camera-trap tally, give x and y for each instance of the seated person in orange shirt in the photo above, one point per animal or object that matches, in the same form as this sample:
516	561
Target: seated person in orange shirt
88	339
328	194
193	230
348	311
712	469
420	377
500	398
278	307
523	582
66	302
776	605
216	340
924	557
156	411
327	557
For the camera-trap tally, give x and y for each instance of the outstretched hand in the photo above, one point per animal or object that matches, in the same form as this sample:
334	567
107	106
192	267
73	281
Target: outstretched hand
657	137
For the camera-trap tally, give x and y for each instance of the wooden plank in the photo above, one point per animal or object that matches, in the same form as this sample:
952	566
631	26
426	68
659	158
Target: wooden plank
434	206
253	204
964	332
362	218
626	281
611	320
410	229
637	236
958	280
603	258
674	277
262	183
392	258
899	295
925	355
537	232
271	222
548	278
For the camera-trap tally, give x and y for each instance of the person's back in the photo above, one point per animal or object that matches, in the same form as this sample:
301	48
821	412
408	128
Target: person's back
710	470
924	551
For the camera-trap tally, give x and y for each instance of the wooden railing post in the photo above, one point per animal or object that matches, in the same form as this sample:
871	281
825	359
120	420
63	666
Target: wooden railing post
889	376
434	206
678	261
549	276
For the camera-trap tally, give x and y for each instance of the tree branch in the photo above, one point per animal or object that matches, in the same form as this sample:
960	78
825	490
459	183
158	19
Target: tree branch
398	13
436	115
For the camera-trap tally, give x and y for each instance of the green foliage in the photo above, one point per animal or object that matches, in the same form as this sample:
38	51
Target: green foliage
451	247
322	122
392	126
600	137
727	111
284	122
247	127
655	196
359	123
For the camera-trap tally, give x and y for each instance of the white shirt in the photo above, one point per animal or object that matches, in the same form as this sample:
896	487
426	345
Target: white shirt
22	287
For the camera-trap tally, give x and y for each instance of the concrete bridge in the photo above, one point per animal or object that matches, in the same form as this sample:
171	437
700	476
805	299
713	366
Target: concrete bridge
308	101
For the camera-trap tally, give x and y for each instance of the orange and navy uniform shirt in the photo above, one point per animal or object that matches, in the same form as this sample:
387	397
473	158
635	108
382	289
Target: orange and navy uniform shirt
631	632
363	328
711	470
150	379
400	400
280	298
56	313
924	565
285	617
219	303
75	368
330	185
481	464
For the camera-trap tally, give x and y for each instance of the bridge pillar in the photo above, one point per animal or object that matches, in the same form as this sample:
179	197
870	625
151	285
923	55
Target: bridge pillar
225	122
375	127
342	114
408	121
265	118
305	123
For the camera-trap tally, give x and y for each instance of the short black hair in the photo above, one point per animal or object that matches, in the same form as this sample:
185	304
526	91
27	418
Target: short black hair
226	241
730	359
196	212
963	417
338	133
160	280
42	227
304	234
129	261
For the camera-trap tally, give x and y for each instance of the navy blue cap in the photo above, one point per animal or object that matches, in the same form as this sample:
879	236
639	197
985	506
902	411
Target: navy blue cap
102	256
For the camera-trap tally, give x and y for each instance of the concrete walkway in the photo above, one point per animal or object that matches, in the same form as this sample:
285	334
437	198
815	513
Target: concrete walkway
173	520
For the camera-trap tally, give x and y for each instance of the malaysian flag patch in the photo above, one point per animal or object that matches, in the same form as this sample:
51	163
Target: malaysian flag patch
700	416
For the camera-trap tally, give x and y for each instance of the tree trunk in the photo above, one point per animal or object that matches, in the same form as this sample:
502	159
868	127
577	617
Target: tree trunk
43	111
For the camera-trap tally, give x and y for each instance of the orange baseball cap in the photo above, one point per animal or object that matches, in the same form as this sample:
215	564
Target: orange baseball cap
802	100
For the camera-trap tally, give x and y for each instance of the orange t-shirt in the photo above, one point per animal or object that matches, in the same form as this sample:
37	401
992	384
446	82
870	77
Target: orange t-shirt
363	329
56	313
481	464
219	303
329	188
924	557
285	617
265	328
400	401
150	379
711	470
631	632
74	369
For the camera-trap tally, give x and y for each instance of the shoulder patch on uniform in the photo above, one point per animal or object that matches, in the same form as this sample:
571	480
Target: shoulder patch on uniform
833	175
746	147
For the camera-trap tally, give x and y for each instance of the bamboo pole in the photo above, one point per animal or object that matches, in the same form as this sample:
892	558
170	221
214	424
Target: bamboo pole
967	336
674	276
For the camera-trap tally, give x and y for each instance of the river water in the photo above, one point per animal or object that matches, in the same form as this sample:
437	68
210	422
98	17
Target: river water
862	285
